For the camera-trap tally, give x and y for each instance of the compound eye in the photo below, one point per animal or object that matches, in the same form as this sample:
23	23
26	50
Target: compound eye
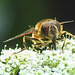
45	28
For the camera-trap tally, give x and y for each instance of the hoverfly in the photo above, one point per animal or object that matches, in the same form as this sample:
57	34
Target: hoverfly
45	32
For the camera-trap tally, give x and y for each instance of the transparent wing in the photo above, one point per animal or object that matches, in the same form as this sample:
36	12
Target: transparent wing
66	22
29	31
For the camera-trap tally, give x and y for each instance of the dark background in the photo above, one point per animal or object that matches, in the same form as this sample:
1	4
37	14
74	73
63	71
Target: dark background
16	15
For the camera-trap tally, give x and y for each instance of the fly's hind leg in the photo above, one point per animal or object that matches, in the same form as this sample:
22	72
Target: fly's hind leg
36	45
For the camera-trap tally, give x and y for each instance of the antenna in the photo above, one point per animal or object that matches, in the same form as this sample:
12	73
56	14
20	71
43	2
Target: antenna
66	22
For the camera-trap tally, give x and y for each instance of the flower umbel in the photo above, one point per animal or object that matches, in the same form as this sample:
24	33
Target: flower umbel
49	62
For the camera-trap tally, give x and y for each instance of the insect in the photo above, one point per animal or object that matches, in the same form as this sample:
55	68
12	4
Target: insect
45	32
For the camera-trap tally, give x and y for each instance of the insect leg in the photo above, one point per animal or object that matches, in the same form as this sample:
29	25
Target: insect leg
36	45
19	51
54	42
67	33
24	43
53	29
39	43
35	40
63	43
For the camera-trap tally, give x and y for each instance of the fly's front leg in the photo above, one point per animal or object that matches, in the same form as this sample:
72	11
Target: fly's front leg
39	42
67	33
63	42
30	38
24	43
54	42
53	30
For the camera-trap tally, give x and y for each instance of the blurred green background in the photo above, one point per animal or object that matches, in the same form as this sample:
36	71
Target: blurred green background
16	15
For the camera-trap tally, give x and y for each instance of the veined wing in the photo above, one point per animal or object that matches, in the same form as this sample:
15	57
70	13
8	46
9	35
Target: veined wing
29	31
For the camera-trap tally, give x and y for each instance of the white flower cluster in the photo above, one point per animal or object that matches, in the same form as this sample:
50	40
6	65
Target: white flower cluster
49	62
